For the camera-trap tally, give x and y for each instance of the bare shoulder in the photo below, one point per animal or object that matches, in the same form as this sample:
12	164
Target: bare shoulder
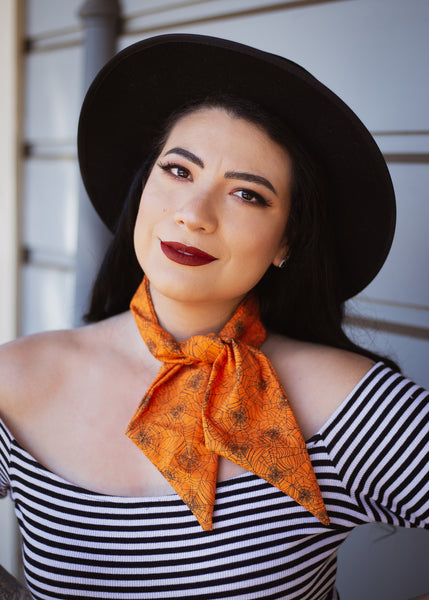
38	370
27	366
316	378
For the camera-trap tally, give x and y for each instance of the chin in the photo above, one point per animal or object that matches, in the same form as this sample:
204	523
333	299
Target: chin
198	285
177	286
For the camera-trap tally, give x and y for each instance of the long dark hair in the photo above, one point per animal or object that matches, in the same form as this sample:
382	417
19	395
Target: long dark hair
302	300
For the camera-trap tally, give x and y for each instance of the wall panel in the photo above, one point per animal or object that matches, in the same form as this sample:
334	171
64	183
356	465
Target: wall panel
49	205
53	96
50	305
50	18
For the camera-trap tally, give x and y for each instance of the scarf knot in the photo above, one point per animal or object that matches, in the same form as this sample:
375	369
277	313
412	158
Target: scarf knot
218	395
203	348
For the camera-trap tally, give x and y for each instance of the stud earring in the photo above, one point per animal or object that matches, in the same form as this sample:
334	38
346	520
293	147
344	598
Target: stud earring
283	261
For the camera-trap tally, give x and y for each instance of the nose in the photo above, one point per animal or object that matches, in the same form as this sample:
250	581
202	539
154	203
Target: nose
198	212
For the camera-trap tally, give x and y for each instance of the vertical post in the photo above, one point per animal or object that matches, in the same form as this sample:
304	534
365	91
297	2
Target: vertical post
101	25
11	36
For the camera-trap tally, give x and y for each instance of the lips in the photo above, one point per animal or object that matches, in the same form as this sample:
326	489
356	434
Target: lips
186	255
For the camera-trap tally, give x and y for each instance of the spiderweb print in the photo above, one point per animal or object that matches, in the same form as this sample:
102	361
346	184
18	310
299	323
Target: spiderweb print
219	395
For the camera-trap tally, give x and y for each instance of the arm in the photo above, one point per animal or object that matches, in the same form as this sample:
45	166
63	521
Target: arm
10	588
424	597
380	446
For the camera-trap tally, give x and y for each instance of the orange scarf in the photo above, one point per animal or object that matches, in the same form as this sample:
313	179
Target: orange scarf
219	395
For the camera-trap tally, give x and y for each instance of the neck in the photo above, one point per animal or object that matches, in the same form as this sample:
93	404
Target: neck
183	320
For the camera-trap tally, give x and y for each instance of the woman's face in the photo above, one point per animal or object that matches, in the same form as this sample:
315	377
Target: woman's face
213	212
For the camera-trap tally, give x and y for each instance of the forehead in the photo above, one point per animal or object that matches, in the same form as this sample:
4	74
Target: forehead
202	117
221	127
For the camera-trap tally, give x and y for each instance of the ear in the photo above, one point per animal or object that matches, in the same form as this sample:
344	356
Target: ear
282	253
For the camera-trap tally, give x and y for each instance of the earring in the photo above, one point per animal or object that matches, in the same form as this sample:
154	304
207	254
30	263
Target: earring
283	261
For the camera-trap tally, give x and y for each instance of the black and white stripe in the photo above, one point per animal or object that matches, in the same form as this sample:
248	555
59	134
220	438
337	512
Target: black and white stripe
372	463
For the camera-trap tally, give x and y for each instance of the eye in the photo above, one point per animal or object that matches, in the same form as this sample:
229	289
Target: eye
251	197
176	170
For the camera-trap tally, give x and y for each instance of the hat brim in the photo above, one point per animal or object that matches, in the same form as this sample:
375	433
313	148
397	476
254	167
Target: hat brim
134	93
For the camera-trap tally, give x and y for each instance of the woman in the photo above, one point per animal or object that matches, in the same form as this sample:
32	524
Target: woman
264	435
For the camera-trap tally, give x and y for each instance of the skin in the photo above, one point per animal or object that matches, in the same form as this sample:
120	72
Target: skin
64	394
197	194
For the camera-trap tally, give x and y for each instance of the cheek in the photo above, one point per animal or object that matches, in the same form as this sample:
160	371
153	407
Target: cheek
148	209
142	226
154	201
264	241
150	216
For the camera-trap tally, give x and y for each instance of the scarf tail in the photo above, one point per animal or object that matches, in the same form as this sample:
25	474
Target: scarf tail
219	395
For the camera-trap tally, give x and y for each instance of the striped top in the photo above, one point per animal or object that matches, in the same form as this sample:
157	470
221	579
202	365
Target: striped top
371	460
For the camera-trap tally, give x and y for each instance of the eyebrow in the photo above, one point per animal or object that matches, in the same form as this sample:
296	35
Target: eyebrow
186	154
250	177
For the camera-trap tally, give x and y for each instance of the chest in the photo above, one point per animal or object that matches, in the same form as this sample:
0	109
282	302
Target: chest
79	434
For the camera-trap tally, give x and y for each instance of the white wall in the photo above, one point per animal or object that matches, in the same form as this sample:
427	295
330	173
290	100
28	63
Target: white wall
52	97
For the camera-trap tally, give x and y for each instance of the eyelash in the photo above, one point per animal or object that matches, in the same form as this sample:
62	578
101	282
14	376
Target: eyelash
167	167
258	198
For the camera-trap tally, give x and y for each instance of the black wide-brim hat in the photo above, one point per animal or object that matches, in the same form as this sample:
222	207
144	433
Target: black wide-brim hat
133	94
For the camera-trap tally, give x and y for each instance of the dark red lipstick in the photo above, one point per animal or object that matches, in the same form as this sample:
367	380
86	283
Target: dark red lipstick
186	255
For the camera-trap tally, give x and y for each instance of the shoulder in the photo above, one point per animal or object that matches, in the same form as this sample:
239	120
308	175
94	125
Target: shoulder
43	368
31	366
36	369
316	378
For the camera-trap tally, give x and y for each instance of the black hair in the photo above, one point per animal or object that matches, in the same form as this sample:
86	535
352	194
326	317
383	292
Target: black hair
120	273
302	300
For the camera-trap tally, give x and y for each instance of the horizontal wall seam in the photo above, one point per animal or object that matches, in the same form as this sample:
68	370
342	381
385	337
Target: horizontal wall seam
48	259
128	31
50	150
400	132
416	158
54	33
362	300
52	156
164	8
412	331
43	42
35	47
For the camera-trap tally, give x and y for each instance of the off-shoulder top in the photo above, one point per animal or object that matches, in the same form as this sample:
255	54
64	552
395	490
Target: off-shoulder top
372	463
